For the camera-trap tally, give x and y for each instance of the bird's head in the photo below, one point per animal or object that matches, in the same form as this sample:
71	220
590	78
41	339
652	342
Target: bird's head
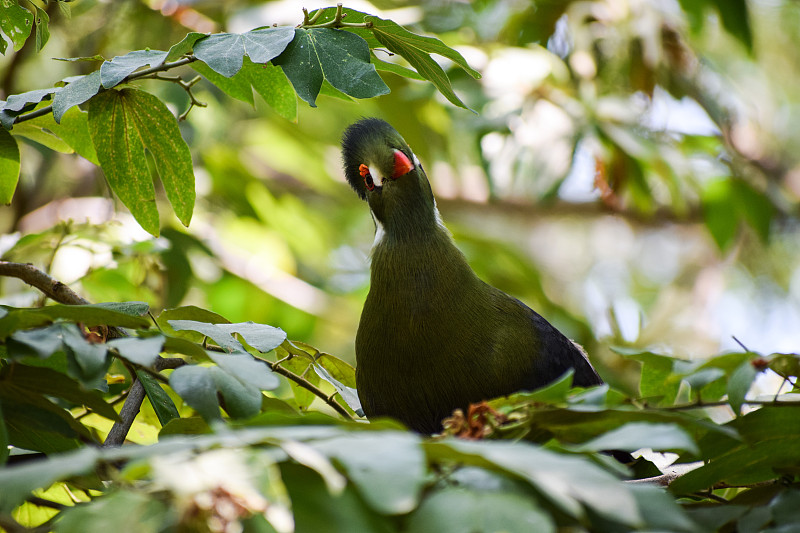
383	170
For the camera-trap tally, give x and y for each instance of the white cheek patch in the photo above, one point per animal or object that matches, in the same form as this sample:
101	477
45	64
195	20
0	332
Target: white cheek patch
376	176
379	231
415	160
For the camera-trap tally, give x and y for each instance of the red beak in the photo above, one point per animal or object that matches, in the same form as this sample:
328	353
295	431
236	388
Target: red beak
402	165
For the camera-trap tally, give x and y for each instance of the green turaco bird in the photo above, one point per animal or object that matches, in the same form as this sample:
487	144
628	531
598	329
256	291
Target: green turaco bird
433	337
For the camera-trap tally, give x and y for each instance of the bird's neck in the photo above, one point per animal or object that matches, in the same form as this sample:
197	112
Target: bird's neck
413	257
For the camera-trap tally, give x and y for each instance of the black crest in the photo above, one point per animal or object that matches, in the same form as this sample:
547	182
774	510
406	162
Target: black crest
359	142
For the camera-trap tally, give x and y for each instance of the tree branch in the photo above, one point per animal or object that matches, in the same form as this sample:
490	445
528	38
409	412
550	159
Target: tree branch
51	287
133	403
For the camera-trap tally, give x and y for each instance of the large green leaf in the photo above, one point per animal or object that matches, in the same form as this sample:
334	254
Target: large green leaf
340	57
568	482
120	511
125	314
17	483
459	510
9	166
389	487
195	384
260	336
247	369
16	23
49	382
223	52
416	49
636	435
124	123
71	134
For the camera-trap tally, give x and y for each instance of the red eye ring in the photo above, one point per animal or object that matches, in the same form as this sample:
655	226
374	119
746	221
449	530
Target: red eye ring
364	171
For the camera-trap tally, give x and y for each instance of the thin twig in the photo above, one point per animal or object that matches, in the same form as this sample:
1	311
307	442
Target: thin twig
337	21
135	76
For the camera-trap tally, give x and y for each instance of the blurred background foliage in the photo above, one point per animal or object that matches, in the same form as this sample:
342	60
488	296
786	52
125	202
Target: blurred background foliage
632	172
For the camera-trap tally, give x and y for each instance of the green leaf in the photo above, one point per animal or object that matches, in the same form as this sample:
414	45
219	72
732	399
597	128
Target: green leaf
265	44
188	312
42	136
16	483
736	20
9	166
458	510
223	52
114	71
73	130
260	336
49	382
659	509
213	331
19	103
739	384
237	86
568	482
184	46
394	68
635	435
122	124
41	20
140	350
727	201
162	137
76	92
120	511
195	384
239	399
389	486
348	394
92	358
416	49
125	314
247	369
341	58
162	404
16	23
273	86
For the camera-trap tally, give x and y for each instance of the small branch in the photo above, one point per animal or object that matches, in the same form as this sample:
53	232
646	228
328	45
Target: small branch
135	76
186	86
52	288
299	380
662	481
701	405
337	21
133	403
41	502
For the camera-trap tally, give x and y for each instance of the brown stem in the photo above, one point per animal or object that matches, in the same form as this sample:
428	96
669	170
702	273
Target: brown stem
52	288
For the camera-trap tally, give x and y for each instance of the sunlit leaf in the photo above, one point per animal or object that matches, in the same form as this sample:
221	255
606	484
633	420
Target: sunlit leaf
9	166
16	23
124	123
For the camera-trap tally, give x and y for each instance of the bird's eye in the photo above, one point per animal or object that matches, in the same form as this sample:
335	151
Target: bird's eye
364	171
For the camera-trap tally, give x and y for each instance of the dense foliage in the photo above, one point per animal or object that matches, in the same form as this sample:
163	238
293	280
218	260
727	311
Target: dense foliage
231	423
